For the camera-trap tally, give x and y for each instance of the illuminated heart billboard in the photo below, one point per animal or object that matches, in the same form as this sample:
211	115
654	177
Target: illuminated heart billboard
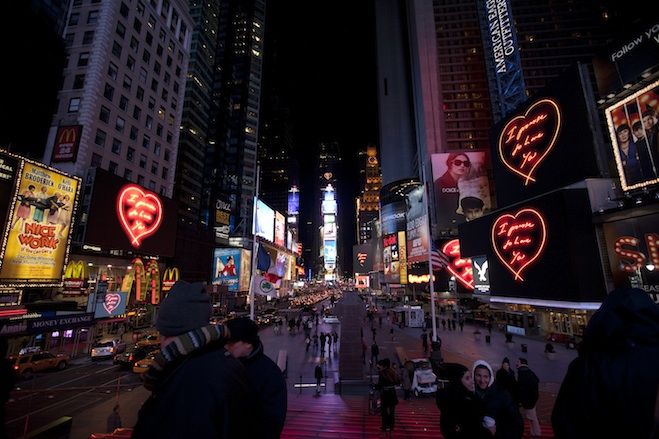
459	267
140	213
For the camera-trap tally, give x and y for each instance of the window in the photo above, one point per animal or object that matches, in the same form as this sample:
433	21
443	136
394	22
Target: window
130	62
182	32
137	111
149	121
78	81
128	174
167	155
173	104
143	75
92	17
154	168
152	185
152	103
123	102
74	18
120	124
108	92
128	82
68	40
133	133
134	44
169	61
96	160
149	38
161	112
137	25
146	56
178	71
130	154
162	35
146	141
77	3
88	37
112	70
156	149
166	78
151	22
123	10
163	191
116	49
174	21
100	138
83	59
140	93
116	146
120	30
112	167
74	105
165	8
159	50
175	87
165	94
140	180
169	137
104	115
142	161
159	130
140	9
154	85
165	171
156	67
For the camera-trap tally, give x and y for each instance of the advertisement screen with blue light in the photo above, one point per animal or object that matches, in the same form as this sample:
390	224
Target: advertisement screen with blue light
265	221
226	268
329	251
293	202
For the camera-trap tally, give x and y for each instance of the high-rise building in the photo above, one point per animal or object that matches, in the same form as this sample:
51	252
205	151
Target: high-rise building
55	10
198	110
123	85
326	239
232	158
368	203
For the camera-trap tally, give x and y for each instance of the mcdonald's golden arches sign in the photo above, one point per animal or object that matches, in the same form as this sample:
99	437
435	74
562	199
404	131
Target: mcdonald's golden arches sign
66	144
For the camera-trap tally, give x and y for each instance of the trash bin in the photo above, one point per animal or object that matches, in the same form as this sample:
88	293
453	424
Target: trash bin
488	339
525	348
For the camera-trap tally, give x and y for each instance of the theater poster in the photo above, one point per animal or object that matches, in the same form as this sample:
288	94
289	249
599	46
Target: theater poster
37	234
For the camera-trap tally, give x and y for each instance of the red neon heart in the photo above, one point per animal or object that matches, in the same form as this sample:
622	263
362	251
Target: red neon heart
526	140
519	239
112	301
140	213
459	267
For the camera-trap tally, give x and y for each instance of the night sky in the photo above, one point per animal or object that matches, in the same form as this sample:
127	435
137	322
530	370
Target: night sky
325	69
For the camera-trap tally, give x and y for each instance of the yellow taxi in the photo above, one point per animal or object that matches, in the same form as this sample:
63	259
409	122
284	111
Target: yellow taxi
26	365
143	365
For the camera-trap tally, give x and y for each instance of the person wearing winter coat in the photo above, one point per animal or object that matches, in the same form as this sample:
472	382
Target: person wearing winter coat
505	378
610	389
528	394
197	388
461	412
502	416
387	382
406	380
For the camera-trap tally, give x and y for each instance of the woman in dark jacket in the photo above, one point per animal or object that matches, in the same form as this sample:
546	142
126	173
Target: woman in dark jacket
387	381
461	412
505	378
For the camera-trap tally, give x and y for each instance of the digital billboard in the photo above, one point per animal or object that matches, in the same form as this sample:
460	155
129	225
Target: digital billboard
126	216
329	252
392	217
265	221
329	231
293	201
634	136
110	304
418	241
38	225
362	260
280	229
231	267
391	258
462	187
222	224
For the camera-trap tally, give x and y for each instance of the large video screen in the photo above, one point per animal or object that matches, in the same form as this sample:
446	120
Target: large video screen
633	130
265	221
280	229
231	267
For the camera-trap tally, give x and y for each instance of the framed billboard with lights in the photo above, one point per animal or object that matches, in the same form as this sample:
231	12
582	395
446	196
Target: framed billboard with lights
633	130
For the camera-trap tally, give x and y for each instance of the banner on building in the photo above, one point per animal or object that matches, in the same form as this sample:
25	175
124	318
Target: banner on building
67	141
418	241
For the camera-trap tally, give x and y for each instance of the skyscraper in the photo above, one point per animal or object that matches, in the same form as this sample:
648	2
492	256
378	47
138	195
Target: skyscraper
368	203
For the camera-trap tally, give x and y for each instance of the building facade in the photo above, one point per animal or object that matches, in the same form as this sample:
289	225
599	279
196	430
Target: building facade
368	203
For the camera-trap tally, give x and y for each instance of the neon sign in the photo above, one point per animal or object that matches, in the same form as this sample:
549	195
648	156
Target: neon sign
140	213
526	140
519	239
632	260
459	267
112	302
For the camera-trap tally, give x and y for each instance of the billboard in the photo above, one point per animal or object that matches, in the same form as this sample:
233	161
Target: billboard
222	224
362	261
329	231
126	216
418	242
293	201
392	217
329	252
40	216
391	258
280	229
110	304
265	221
634	136
231	267
376	246
462	186
67	140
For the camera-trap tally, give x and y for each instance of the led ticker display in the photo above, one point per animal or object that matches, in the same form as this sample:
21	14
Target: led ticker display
140	213
459	267
519	239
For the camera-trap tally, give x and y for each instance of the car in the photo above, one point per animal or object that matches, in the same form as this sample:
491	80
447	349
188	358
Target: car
330	319
424	380
142	365
106	348
150	340
26	365
133	354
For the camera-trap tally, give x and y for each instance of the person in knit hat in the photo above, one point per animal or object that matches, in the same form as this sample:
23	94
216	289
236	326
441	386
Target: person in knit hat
197	388
502	415
264	378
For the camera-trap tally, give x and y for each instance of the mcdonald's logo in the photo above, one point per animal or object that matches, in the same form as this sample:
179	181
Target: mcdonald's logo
169	278
67	140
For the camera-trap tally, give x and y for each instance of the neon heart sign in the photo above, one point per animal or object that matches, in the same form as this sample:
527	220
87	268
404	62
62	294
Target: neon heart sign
526	140
459	267
112	302
140	213
519	239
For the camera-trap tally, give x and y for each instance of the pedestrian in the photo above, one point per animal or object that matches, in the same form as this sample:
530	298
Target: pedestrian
192	361
114	420
375	353
610	389
380	321
424	341
329	344
462	324
505	378
453	323
298	324
461	411
501	415
444	324
406	380
335	336
391	333
307	342
318	374
489	327
528	394
373	331
315	340
264	378
387	382
364	349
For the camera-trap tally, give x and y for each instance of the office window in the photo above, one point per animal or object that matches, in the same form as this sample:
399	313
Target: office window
123	10
96	160
77	3
152	103
137	25
120	30
156	67
137	111
74	18
149	38
112	167
140	9
128	82
83	59
140	93
142	161
88	37
165	8
161	113
116	49
134	44
154	85
128	174
146	56
133	133
167	155
156	149
163	191
152	185
130	154
78	81
104	115
123	102
174	20
112	70
74	105
159	130
143	75
108	92
120	124
116	146
149	121
154	168
178	71
162	35
169	137
169	61
151	22
173	104
175	87
68	40
165	94
130	62
92	17
100	137
165	172
140	180
159	50
146	141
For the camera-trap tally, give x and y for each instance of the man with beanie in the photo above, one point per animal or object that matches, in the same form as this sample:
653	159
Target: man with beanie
198	389
528	394
264	378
